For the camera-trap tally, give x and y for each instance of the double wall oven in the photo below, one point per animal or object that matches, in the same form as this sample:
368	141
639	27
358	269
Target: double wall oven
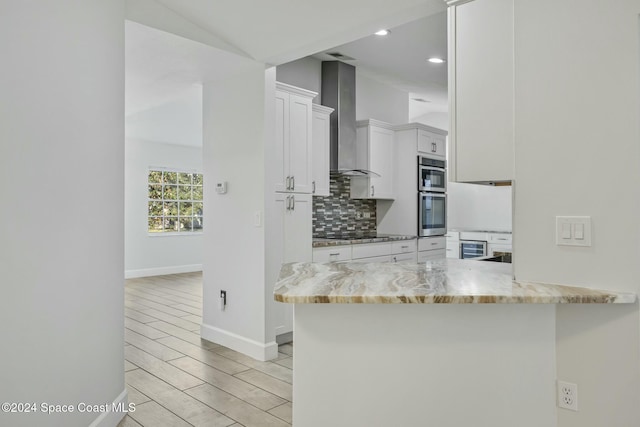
432	197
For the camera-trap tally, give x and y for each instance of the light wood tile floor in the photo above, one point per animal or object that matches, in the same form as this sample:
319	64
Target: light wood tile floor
176	379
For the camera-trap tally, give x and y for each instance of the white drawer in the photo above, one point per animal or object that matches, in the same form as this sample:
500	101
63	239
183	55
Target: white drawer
404	257
474	235
403	246
332	254
431	243
431	255
500	238
367	250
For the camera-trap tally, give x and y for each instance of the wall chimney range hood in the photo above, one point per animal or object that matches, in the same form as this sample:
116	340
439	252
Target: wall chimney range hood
339	92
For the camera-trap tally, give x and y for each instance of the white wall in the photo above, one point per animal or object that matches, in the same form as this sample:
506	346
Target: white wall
62	166
375	100
434	119
481	207
178	121
305	73
234	248
583	63
155	254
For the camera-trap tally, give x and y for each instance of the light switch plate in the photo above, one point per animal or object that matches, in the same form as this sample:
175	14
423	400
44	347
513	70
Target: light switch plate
575	223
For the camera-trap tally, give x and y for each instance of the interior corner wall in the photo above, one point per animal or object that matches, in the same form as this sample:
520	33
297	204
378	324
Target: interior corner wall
305	73
234	247
62	222
156	254
563	143
376	100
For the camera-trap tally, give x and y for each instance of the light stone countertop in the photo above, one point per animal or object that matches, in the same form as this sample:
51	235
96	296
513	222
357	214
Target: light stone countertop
323	242
448	281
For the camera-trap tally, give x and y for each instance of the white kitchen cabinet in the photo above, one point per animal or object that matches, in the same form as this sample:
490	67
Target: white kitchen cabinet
375	153
430	144
481	79
499	242
320	151
431	255
453	244
404	257
368	250
332	254
293	139
430	248
294	245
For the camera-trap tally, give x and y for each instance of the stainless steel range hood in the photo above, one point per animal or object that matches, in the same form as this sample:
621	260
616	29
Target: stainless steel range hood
339	92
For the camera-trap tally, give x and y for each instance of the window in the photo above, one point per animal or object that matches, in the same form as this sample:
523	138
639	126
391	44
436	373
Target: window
175	202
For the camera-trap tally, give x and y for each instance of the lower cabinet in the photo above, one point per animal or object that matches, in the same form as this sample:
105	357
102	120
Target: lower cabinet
397	251
294	222
453	244
431	248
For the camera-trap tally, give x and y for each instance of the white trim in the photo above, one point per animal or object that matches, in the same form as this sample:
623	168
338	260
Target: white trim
255	349
452	147
174	233
112	418
412	126
296	90
161	271
317	108
374	122
456	2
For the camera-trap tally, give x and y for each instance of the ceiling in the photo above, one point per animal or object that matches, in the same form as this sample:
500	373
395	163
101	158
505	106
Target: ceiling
192	43
399	59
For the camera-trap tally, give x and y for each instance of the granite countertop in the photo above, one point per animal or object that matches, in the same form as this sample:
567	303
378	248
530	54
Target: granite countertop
352	240
448	281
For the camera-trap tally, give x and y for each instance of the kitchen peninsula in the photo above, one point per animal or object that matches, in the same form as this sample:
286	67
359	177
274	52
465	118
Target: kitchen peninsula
438	343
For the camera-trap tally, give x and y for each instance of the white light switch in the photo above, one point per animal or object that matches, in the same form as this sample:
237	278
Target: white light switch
573	230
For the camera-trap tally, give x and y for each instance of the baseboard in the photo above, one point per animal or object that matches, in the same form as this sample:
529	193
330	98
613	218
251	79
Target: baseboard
115	413
161	271
255	349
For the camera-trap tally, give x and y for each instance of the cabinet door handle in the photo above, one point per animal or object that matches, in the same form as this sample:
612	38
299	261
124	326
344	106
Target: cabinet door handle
287	183
404	247
372	191
434	243
395	259
293	203
335	254
288	203
293	182
313	187
434	147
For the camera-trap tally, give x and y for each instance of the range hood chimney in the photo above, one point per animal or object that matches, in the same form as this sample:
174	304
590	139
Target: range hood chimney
339	92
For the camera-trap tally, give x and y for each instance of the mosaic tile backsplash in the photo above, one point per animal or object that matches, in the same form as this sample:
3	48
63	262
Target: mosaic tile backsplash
335	216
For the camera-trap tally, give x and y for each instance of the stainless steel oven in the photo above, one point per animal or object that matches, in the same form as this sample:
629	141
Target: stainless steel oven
432	175
432	214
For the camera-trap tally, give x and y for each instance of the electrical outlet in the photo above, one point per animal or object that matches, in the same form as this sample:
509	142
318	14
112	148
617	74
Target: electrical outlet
568	396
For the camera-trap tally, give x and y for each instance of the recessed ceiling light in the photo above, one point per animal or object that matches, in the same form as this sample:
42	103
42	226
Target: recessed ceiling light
382	32
435	60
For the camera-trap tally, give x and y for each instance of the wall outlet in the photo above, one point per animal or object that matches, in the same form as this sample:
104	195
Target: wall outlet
223	300
568	396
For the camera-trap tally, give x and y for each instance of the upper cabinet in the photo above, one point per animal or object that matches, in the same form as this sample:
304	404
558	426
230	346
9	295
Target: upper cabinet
320	153
428	141
375	153
481	79
293	139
